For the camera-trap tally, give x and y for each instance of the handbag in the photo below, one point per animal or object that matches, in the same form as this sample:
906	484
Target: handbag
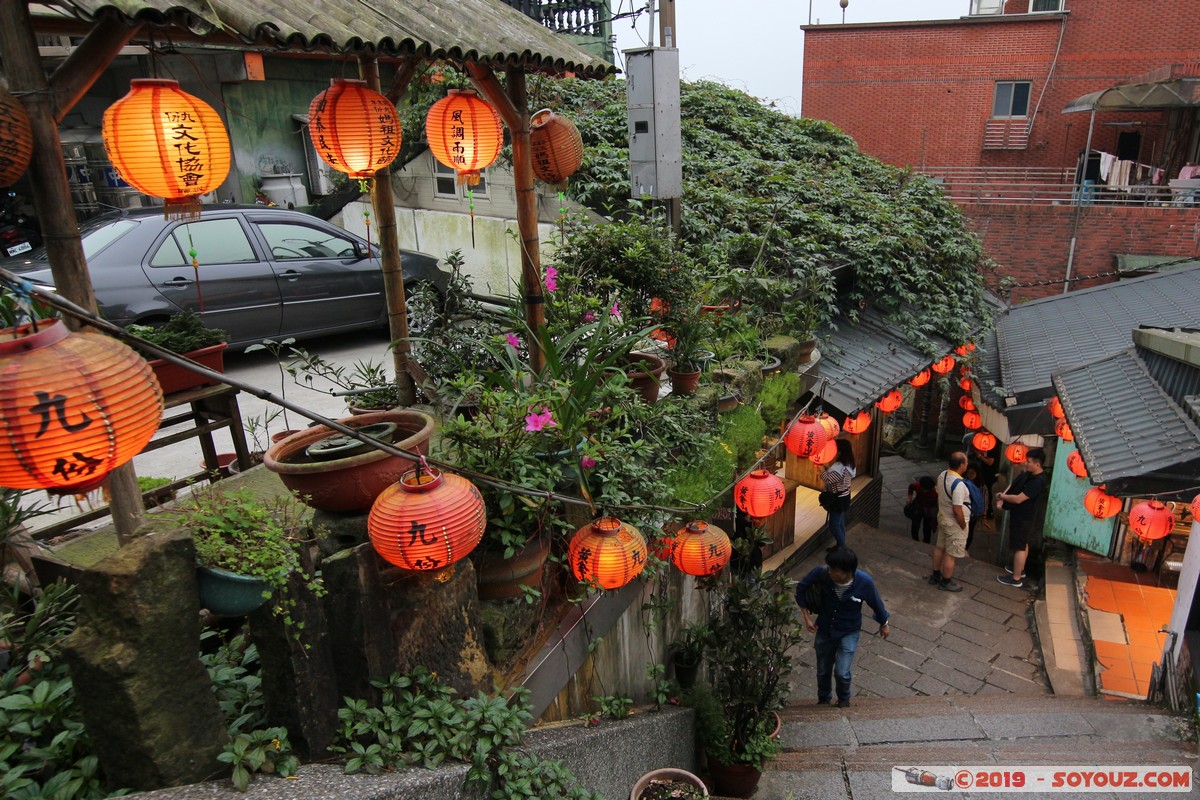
912	509
830	501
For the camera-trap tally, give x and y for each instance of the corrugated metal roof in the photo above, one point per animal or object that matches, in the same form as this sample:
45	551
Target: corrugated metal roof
1125	425
1042	337
483	31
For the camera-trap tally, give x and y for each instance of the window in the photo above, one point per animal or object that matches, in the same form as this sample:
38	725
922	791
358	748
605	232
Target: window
1012	100
986	7
217	241
445	182
288	241
1045	5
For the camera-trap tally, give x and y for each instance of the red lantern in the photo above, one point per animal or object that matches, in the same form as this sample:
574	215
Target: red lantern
701	549
921	378
1196	508
857	423
427	520
166	143
1054	406
1151	520
607	553
825	455
961	350
805	436
983	441
1063	429
16	139
972	421
759	494
353	128
73	407
966	403
832	429
464	133
890	401
943	365
965	384
1076	465
556	146
1015	453
1100	504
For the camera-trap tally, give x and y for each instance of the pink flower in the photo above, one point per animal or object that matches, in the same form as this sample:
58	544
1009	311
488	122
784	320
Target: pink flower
615	310
537	421
589	316
551	279
587	462
513	340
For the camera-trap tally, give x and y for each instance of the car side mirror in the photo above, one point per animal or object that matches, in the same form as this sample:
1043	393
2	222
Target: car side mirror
361	251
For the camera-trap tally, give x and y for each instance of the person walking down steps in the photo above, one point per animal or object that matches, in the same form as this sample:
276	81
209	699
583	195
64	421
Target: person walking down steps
837	480
952	523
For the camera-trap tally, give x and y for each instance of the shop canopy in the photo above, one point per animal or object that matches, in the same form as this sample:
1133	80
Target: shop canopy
1178	92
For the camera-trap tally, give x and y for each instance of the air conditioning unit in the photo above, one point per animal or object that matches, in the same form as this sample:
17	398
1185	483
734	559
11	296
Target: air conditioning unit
319	177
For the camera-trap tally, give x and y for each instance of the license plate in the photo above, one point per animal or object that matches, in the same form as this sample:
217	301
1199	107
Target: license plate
23	247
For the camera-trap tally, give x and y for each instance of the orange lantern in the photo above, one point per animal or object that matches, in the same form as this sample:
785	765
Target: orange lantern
825	455
1100	504
759	494
166	143
75	407
1063	429
983	441
921	378
965	384
966	403
607	553
1015	453
353	128
16	139
1196	508
961	350
805	436
427	520
1054	406
701	549
1076	465
464	133
857	423
556	146
943	365
1151	520
972	421
832	429
890	401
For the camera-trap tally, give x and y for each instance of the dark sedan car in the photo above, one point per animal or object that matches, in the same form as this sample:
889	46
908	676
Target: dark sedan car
265	273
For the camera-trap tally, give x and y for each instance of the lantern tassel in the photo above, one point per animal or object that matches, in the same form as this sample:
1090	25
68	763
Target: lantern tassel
367	222
471	208
562	217
196	269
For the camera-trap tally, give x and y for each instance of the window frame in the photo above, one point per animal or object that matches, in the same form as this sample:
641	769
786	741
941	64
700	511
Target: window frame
1012	93
441	172
1058	3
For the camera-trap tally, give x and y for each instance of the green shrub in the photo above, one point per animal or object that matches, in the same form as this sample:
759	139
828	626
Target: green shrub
744	430
703	476
775	400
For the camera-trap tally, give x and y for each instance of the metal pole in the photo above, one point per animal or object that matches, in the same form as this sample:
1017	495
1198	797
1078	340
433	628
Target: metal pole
666	24
1081	175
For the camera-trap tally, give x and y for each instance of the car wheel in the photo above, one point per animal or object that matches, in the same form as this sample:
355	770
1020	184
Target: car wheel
423	305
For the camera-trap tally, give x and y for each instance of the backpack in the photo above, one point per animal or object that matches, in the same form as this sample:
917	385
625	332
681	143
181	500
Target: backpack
975	501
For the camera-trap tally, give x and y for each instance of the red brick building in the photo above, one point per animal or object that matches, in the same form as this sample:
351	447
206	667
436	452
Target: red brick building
979	101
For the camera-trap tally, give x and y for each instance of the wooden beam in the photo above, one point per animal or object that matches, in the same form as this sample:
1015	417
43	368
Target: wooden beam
71	81
405	72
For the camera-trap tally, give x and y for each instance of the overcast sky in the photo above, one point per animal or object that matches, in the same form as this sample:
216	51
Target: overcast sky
757	45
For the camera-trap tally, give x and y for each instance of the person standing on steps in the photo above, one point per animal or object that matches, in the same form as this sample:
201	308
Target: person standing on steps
837	480
951	543
922	489
835	594
1020	501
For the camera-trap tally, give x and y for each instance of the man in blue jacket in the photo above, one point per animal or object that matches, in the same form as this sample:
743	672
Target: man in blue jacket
838	592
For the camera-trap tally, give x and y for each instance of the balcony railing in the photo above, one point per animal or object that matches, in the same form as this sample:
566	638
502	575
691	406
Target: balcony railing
1054	186
572	17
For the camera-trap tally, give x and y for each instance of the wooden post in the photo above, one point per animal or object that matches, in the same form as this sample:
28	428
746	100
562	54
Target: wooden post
52	199
393	273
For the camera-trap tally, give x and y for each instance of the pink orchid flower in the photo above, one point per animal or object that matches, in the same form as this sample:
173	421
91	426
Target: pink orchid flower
537	421
589	316
587	462
513	340
551	279
615	310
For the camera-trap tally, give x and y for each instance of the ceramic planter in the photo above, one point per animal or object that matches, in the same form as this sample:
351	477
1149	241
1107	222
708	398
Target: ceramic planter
174	378
734	780
674	775
684	382
498	577
645	374
685	674
228	594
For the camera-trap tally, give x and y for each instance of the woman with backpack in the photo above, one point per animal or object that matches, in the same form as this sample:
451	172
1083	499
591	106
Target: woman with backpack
837	480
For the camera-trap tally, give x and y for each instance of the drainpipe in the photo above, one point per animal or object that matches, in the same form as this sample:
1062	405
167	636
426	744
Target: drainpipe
1087	152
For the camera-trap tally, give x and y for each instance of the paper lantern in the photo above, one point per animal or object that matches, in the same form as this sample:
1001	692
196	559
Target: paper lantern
825	455
607	553
805	436
943	365
1063	429
74	407
555	145
966	403
965	383
353	128
1076	465
1196	508
832	429
16	139
890	401
464	133
921	378
1054	406
1015	453
1100	504
759	494
961	350
857	423
972	421
701	549
1151	520
427	520
983	441
166	143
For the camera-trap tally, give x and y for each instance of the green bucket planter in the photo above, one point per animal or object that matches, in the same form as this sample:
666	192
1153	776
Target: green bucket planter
228	594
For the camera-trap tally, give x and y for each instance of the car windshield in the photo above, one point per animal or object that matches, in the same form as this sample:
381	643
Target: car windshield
96	235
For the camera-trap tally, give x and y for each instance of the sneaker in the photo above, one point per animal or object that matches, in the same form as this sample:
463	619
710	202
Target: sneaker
935	578
844	703
822	701
1009	580
950	585
1008	570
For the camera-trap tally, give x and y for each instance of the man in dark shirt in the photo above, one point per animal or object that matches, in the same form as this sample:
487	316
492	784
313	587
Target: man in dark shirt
1020	501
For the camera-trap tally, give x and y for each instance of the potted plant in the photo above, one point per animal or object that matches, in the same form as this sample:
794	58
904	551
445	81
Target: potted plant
687	331
668	784
184	333
247	549
688	651
365	383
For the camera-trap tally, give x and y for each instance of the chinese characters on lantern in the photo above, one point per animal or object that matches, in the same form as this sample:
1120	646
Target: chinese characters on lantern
188	161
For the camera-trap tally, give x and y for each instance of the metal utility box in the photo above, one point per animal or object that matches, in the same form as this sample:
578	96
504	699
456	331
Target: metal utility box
652	96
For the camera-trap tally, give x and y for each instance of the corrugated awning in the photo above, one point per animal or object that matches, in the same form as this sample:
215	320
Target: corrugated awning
1183	92
480	31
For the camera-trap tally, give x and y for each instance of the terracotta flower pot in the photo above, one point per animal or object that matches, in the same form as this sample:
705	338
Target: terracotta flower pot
498	577
174	378
348	484
683	382
645	374
734	780
677	775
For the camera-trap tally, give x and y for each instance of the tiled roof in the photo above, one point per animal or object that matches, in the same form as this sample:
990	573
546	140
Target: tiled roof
484	31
